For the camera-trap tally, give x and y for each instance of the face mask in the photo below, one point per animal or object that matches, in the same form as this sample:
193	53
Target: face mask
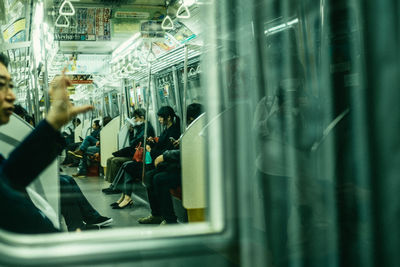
138	123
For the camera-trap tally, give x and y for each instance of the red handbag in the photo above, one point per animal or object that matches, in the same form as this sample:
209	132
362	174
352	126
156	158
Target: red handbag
138	156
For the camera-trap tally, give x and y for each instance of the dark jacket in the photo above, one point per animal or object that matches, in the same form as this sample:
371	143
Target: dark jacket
172	161
134	140
164	143
96	134
25	163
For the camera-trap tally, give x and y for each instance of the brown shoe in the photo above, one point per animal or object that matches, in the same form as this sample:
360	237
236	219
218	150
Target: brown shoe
79	175
150	220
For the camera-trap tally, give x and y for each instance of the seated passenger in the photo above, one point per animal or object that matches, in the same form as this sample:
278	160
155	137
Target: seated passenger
19	214
69	131
133	169
166	176
89	140
88	149
136	134
69	134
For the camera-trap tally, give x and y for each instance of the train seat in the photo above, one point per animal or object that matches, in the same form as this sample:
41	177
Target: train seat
193	170
109	140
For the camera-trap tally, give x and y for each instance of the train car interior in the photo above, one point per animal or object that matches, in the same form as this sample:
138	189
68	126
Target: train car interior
217	132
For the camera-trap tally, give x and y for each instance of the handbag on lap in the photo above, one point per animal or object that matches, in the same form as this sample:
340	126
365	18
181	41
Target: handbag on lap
138	156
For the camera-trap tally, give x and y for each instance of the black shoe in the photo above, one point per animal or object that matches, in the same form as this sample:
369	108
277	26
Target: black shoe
100	221
110	191
114	204
64	163
118	207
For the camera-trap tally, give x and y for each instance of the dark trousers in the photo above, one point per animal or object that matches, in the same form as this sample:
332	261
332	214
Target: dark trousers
160	199
68	157
113	166
75	208
134	169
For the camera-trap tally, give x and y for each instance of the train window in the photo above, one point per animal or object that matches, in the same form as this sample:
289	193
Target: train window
247	133
126	78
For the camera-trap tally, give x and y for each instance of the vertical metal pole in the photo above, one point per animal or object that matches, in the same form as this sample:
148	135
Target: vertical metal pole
146	123
185	78
154	99
28	87
127	100
28	98
110	103
121	109
103	103
177	94
45	75
35	88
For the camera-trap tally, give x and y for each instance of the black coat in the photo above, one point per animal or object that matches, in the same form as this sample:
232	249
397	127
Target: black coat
25	163
134	140
164	143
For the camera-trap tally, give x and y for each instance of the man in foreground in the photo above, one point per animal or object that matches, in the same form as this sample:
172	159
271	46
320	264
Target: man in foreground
45	142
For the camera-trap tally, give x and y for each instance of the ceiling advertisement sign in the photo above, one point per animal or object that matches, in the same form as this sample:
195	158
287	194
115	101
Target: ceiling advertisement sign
131	15
83	64
15	32
81	78
88	24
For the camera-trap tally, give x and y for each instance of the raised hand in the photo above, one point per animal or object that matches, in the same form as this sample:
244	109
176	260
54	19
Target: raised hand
61	109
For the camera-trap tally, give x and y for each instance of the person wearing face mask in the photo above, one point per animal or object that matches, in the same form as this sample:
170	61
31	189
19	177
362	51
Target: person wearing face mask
156	146
136	133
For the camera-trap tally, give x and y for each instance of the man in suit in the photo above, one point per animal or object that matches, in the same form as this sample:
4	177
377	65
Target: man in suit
18	214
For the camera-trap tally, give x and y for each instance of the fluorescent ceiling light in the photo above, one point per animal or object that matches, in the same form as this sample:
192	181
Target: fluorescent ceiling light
281	27
125	45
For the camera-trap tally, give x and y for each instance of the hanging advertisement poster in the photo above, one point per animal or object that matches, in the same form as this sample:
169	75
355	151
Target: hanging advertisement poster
88	24
166	90
139	95
103	26
182	33
15	32
81	78
132	97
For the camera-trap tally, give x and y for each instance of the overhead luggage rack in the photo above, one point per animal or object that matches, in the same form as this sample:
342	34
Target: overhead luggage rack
168	59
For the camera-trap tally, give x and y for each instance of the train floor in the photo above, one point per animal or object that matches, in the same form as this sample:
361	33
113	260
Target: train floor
127	217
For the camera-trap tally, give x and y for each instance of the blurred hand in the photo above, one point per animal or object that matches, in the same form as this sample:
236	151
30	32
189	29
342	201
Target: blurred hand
61	109
98	143
148	148
150	139
158	160
176	143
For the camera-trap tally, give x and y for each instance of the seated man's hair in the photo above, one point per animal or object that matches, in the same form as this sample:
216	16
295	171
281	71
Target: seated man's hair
194	110
140	112
106	120
4	59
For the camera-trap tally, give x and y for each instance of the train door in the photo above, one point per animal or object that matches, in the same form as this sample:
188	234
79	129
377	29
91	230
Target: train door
194	93
166	92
